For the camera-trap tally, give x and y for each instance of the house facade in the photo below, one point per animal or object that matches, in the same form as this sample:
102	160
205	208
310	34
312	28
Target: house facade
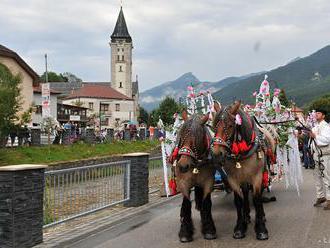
29	78
37	103
104	103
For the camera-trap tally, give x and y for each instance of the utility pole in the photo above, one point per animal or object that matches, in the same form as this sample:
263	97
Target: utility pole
100	116
46	75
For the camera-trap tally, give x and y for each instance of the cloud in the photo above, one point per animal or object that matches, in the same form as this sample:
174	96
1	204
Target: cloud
211	38
148	99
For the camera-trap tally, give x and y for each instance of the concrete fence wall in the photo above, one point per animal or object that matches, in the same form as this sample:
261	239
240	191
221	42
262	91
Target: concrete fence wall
21	205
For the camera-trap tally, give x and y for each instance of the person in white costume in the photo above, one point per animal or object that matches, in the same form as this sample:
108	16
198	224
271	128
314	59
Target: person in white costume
321	135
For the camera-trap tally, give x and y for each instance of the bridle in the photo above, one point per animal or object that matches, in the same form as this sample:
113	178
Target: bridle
190	151
219	140
229	139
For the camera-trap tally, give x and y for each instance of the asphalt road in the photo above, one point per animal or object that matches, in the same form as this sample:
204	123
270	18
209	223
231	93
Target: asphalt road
292	221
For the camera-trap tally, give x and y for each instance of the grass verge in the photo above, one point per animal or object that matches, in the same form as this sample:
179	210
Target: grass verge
60	153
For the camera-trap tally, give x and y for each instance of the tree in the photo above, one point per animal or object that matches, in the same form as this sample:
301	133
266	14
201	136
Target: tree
144	116
167	108
61	77
53	77
71	78
283	99
10	100
322	102
153	118
26	116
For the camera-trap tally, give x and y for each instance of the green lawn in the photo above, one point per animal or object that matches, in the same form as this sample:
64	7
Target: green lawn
59	153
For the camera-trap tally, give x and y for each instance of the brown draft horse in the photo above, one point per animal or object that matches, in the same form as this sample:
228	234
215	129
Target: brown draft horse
193	168
243	169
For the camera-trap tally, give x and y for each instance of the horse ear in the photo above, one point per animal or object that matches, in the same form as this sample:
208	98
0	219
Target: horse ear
235	107
217	106
184	115
205	118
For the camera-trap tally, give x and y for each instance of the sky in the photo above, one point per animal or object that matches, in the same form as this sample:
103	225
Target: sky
213	39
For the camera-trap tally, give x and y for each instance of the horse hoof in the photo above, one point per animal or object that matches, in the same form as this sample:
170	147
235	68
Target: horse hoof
210	236
186	239
238	235
262	236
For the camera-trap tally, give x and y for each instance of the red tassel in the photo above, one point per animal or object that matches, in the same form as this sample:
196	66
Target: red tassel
271	156
175	152
242	146
265	179
234	148
172	186
174	155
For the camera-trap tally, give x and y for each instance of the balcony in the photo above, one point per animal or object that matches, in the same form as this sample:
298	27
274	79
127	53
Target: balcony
106	113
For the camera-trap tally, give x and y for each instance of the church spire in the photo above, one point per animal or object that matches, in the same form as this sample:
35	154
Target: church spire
121	31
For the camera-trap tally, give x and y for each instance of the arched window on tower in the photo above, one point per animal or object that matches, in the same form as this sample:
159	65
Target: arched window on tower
122	57
120	68
120	84
118	57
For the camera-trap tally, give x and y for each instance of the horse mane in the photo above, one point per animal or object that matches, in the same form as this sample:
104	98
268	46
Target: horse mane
246	129
193	129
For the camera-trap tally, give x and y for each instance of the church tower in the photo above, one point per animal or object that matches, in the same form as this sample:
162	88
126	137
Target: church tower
121	57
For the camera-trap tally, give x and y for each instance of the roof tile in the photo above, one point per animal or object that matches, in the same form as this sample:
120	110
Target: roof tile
98	91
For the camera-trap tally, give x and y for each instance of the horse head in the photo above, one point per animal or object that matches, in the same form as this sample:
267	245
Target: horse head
192	141
224	128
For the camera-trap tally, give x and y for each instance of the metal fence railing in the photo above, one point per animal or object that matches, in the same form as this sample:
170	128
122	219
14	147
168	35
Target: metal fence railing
156	174
70	193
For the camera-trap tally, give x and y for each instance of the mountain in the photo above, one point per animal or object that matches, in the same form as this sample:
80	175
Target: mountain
303	80
151	98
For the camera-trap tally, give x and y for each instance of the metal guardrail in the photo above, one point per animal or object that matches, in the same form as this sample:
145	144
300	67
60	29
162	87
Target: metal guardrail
71	193
156	174
74	192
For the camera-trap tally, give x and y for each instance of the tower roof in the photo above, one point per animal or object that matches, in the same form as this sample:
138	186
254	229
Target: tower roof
121	31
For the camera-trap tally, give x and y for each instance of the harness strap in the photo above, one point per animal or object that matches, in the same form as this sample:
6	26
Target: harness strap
187	151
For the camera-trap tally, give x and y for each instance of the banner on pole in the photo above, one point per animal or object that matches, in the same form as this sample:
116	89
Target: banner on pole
45	98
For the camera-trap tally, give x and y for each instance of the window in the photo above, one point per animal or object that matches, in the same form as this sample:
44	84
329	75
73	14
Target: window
117	107
120	85
118	49
122	57
104	107
91	105
118	57
122	49
120	68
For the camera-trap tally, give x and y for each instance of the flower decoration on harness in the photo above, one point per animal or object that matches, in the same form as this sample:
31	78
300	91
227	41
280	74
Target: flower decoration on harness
238	120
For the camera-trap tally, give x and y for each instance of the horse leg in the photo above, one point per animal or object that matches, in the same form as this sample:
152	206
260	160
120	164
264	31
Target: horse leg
198	197
260	227
208	227
241	225
187	228
246	203
262	205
